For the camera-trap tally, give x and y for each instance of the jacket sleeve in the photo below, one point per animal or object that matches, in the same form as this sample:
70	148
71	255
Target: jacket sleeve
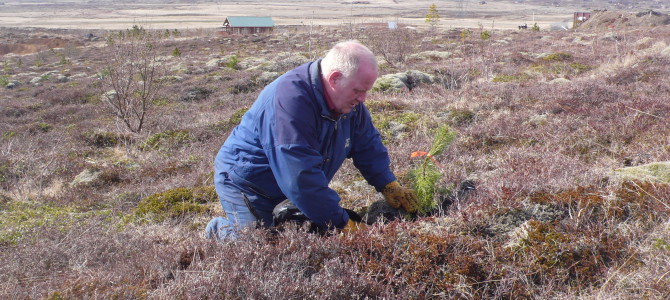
291	142
369	153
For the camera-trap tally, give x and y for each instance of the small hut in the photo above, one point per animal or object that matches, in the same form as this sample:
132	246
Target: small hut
247	25
580	17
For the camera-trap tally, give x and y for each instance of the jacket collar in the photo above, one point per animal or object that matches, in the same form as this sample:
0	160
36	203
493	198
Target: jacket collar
315	80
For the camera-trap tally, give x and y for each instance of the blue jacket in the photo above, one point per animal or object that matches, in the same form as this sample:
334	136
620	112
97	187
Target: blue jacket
288	146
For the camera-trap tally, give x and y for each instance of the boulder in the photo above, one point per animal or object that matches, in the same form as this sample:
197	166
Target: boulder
559	80
267	77
12	84
389	82
86	177
36	81
401	81
196	94
431	55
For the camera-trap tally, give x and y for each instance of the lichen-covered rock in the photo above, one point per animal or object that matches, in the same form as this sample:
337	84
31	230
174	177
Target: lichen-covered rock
389	83
511	220
537	120
12	84
431	55
402	81
559	80
86	177
267	77
220	61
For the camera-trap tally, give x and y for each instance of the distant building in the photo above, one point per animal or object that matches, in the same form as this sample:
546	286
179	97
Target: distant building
579	18
247	25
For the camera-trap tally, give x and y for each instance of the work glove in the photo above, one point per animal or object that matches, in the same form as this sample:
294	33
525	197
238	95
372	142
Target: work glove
397	195
352	227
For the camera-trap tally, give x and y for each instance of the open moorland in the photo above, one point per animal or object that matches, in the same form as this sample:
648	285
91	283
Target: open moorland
564	134
182	14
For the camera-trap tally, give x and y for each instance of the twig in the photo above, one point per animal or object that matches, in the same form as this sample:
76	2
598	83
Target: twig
643	112
619	268
650	195
662	276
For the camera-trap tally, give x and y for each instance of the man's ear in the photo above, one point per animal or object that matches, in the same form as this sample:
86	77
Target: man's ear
334	77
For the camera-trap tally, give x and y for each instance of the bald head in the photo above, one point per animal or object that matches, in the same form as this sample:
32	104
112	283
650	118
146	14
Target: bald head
349	71
346	57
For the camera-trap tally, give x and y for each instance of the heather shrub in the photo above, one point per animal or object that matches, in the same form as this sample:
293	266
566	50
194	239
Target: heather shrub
234	120
548	219
8	173
196	94
103	139
39	127
558	56
510	78
459	117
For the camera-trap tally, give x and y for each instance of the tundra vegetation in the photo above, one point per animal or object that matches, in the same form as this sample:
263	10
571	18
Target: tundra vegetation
546	124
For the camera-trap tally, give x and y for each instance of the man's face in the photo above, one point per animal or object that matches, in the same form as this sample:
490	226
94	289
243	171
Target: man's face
349	92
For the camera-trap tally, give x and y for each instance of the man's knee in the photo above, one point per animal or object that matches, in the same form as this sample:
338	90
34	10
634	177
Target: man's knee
219	228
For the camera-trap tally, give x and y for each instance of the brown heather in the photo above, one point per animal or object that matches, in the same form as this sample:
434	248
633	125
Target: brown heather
543	119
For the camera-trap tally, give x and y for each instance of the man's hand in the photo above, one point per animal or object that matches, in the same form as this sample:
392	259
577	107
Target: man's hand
352	227
397	195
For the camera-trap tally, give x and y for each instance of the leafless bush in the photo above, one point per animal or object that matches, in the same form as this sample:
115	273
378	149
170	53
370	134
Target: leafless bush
394	45
130	78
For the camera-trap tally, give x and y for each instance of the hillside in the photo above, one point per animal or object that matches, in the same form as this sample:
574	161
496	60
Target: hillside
550	126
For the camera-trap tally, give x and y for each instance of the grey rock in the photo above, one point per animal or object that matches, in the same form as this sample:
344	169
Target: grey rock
401	81
62	78
560	80
267	77
13	84
86	177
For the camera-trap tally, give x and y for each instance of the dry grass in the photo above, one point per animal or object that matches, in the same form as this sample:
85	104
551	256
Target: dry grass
548	219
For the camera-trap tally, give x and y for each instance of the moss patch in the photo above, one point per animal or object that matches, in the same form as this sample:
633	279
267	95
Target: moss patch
231	122
395	123
165	140
655	172
175	203
20	219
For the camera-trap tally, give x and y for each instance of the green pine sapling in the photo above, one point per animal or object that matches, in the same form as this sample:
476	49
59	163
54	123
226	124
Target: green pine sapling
426	175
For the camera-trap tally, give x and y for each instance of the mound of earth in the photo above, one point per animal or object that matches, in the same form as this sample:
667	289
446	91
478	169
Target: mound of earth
613	20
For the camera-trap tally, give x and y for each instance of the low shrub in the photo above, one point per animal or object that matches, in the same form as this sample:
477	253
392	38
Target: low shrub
39	127
103	139
166	140
510	78
231	122
558	56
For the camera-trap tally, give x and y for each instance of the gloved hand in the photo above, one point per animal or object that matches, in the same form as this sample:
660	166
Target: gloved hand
397	195
352	226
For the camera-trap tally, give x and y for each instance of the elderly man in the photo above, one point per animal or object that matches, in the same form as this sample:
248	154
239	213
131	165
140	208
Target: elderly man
295	137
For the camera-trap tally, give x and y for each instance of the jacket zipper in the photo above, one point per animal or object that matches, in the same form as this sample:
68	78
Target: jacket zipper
332	140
